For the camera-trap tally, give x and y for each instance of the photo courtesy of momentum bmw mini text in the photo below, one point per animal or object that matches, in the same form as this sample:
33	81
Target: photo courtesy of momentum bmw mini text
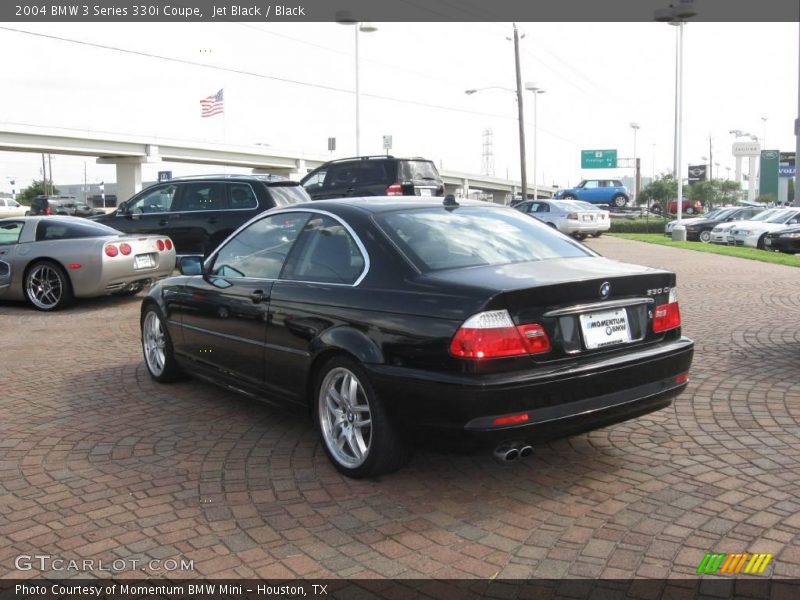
400	300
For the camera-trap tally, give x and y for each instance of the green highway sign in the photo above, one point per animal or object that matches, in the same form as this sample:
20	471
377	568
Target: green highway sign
598	159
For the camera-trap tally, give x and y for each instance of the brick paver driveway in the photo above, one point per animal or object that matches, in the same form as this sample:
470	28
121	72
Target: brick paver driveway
97	462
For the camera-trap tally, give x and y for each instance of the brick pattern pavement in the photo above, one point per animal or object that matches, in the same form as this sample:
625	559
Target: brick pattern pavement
97	462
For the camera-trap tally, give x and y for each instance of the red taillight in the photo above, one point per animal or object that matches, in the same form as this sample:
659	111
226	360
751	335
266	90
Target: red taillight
493	334
125	249
666	317
394	190
683	378
168	244
160	245
111	250
572	216
511	419
48	211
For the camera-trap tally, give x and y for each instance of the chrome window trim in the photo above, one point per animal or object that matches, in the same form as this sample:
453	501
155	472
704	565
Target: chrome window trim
364	254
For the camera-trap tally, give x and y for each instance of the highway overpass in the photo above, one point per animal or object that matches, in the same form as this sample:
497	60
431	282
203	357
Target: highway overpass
129	153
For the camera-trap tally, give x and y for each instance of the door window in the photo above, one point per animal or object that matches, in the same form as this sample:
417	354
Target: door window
590	185
260	250
202	196
10	232
340	176
540	207
157	201
326	253
316	180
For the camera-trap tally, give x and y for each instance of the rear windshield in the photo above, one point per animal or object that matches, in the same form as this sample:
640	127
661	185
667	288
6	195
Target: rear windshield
418	170
284	195
436	239
62	230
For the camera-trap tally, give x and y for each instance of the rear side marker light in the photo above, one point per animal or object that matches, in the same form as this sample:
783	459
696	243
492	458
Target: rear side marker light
394	190
160	245
683	378
74	266
492	334
111	251
125	249
510	419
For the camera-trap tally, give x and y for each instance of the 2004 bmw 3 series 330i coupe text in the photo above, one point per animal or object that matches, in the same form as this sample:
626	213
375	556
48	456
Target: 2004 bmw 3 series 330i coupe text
395	320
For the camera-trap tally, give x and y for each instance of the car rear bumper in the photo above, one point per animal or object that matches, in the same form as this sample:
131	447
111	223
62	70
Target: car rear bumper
556	401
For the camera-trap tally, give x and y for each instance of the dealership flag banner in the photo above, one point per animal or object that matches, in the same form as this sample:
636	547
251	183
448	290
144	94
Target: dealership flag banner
213	105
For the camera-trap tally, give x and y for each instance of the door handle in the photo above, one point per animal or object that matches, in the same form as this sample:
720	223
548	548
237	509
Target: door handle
258	296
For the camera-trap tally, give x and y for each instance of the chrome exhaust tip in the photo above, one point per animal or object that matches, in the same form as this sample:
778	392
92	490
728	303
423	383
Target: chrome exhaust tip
525	451
507	452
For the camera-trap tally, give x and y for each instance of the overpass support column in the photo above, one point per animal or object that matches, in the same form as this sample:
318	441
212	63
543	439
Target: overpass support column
129	174
129	180
465	188
300	170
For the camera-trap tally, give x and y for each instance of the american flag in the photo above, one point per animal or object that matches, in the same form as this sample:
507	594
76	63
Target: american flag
212	105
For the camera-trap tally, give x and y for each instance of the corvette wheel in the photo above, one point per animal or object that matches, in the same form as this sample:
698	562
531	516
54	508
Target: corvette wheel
47	286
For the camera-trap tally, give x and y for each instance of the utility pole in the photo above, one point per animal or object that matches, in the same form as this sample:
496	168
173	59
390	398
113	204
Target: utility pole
522	161
710	159
50	169
44	176
797	137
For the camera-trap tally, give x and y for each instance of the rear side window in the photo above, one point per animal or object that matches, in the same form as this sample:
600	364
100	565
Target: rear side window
59	230
375	171
435	239
326	253
418	170
341	175
241	196
284	195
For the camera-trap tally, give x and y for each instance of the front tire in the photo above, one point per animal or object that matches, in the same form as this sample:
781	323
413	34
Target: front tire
159	355
47	286
355	429
619	201
760	242
705	237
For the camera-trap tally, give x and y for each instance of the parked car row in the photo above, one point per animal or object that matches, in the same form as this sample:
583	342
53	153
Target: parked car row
756	227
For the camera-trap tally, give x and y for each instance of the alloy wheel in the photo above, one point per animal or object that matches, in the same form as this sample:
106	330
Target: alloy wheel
154	343
45	287
345	417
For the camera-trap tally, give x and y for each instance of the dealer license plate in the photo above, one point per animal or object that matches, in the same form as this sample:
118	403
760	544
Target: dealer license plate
606	328
144	261
424	192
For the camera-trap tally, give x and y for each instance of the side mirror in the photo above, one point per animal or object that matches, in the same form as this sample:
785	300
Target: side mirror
191	265
122	208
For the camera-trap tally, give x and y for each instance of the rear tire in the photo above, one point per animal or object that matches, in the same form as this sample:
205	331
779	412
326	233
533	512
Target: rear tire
705	237
47	286
619	201
159	355
356	432
570	197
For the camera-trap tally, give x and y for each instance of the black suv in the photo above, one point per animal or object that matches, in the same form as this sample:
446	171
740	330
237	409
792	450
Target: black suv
199	212
374	176
59	205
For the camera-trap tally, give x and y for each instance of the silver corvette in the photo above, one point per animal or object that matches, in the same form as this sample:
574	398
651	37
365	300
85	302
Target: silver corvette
48	261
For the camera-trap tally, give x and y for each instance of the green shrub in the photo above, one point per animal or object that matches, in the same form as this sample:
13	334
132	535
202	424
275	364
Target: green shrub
638	225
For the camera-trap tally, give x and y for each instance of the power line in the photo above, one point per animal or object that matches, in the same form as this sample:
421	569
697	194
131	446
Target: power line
329	88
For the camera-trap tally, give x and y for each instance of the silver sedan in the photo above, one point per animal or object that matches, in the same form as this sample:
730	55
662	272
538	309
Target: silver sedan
568	216
48	261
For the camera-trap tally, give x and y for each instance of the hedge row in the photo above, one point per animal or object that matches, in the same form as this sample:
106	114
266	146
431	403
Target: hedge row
652	225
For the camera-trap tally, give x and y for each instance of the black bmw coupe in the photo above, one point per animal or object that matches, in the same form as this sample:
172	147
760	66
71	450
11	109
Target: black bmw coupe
395	320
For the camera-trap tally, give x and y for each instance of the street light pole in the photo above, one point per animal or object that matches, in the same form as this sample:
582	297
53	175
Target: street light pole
635	127
366	28
532	87
797	139
522	161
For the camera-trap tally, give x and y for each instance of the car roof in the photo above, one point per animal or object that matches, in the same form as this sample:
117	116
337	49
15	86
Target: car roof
266	178
381	204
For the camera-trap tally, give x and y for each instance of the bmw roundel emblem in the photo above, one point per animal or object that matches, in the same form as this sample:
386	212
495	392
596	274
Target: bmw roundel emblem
605	290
